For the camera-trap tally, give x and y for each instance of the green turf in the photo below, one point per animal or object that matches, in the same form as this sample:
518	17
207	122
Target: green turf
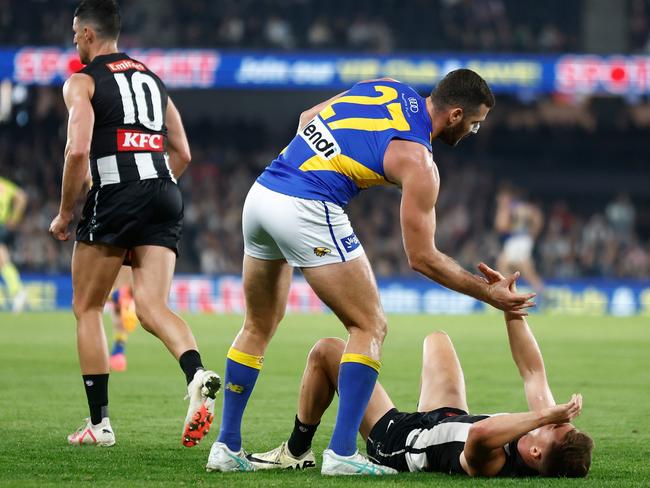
42	399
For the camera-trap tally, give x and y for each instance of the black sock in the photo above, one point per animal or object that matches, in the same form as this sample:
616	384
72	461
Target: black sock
190	362
97	393
301	437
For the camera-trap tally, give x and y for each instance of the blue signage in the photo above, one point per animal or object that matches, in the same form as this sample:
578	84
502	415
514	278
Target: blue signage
203	68
224	294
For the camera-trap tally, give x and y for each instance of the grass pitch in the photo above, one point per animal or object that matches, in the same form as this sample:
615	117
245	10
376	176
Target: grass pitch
42	398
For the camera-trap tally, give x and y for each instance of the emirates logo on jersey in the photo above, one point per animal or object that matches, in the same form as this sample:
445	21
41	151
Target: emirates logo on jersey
125	65
129	140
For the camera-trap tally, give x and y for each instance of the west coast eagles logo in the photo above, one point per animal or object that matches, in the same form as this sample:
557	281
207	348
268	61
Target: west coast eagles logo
322	251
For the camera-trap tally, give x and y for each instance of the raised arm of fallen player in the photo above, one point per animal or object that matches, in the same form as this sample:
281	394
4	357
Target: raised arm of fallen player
77	93
525	353
483	454
178	147
411	166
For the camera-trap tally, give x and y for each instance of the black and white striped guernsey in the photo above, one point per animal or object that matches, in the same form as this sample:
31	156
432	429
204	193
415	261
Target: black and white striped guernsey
433	442
129	136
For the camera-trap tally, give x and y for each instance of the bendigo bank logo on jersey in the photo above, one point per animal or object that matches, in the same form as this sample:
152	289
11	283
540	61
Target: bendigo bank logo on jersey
131	140
125	65
320	139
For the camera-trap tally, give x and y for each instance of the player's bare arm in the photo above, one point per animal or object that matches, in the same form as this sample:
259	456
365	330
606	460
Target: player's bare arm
483	454
411	166
525	353
309	114
502	217
77	93
178	147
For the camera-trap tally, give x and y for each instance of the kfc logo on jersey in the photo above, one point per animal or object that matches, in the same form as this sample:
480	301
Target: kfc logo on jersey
320	139
125	65
129	140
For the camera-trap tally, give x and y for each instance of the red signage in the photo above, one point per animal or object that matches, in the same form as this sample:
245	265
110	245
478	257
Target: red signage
129	140
618	75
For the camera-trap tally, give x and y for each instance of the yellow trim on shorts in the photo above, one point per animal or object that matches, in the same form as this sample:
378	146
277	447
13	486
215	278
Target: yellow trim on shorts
362	359
245	359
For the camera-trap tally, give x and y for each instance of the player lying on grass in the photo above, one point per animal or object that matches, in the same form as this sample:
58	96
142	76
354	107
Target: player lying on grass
442	436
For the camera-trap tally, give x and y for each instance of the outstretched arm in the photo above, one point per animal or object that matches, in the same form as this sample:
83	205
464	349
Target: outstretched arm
410	165
525	352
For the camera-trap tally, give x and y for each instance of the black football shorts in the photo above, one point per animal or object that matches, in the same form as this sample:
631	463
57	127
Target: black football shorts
137	213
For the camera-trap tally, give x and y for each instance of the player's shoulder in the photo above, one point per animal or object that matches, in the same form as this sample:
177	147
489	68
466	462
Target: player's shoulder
408	151
78	84
387	82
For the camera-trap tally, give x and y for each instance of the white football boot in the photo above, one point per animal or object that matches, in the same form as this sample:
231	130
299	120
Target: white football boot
93	435
356	464
201	391
223	459
281	458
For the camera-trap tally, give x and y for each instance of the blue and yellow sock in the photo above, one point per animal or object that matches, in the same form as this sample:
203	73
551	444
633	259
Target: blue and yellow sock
242	371
119	344
11	277
357	377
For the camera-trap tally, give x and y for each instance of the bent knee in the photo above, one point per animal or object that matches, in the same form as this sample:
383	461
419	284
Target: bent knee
324	349
436	337
81	306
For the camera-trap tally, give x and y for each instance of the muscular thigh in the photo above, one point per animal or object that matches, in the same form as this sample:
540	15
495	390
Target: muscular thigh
349	289
153	270
266	287
94	269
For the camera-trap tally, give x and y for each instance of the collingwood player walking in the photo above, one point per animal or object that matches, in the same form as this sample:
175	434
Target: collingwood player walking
121	118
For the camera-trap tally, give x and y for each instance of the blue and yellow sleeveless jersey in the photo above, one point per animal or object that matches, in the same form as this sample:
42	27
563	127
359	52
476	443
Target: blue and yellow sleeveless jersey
341	151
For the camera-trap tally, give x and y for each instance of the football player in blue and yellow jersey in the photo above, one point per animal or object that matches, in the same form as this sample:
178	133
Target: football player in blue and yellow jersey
13	201
377	133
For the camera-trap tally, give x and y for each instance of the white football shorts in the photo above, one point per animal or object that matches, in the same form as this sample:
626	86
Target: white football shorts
306	233
518	248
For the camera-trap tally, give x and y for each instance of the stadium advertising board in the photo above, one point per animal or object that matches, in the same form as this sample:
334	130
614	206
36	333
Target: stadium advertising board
519	74
223	294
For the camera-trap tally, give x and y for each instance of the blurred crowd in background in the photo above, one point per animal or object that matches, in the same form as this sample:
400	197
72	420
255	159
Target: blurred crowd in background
374	25
567	157
582	162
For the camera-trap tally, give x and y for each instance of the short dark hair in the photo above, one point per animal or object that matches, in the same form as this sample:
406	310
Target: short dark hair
570	458
103	14
462	88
